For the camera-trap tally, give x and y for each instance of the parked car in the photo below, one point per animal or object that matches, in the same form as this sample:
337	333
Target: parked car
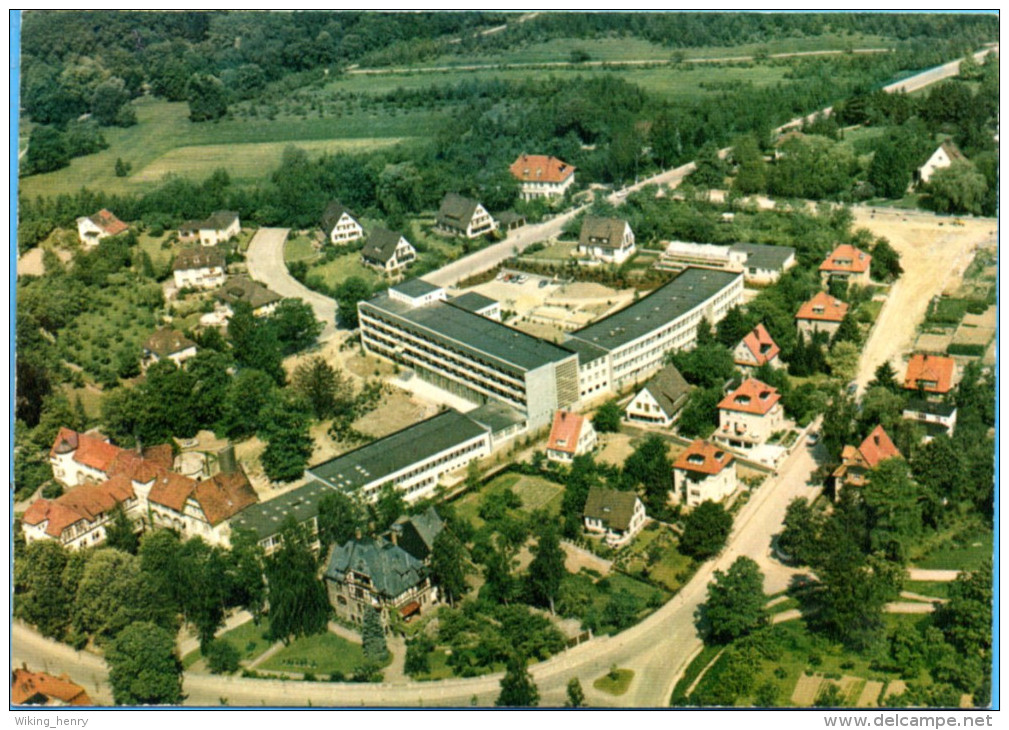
813	438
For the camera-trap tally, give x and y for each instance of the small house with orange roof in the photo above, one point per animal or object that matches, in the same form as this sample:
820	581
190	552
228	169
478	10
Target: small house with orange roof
822	313
932	374
93	228
41	688
749	415
703	471
856	463
756	349
847	263
571	435
542	176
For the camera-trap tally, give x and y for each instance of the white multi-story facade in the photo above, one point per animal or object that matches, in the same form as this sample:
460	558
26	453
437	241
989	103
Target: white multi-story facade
542	176
220	227
200	268
703	472
339	226
749	415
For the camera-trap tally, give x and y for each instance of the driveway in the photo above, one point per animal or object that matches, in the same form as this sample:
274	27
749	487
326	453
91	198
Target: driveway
265	259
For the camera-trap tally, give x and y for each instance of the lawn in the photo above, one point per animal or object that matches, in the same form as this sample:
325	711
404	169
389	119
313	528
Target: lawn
614	682
692	671
248	639
930	588
160	256
554	252
535	492
671	567
319	654
299	249
966	552
335	272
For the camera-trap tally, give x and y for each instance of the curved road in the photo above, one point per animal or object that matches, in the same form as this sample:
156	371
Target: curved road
265	259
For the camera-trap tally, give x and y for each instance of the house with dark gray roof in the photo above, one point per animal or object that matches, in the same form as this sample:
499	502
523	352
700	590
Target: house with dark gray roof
369	573
412	460
169	344
388	251
938	419
266	519
204	267
416	534
606	239
617	516
659	403
220	227
459	216
243	289
638	336
339	225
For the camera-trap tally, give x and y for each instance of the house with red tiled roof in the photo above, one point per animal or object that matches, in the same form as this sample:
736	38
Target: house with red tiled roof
822	313
749	415
571	435
40	688
703	471
756	349
856	463
847	263
104	475
93	228
542	176
930	373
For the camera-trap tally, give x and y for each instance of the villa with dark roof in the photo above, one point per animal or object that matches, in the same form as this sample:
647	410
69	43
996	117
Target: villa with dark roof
659	403
243	289
220	227
339	225
388	251
459	216
369	573
606	239
617	516
416	534
200	268
168	344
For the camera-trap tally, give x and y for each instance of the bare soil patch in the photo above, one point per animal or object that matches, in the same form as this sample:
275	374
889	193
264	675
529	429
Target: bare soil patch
614	448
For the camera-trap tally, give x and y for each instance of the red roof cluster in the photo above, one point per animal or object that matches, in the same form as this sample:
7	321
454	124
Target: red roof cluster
541	168
752	396
847	259
703	457
760	343
565	431
29	687
933	373
90	450
86	502
823	307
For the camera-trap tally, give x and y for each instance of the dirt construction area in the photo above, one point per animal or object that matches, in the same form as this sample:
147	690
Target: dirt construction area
934	254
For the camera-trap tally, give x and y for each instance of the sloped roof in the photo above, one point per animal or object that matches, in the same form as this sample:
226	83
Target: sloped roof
932	369
878	447
918	405
456	211
598	231
541	168
219	220
752	396
224	495
167	342
171	490
331	216
244	289
27	686
703	457
761	345
391	569
613	507
90	450
204	257
847	258
669	389
823	307
381	245
108	222
85	502
564	433
416	534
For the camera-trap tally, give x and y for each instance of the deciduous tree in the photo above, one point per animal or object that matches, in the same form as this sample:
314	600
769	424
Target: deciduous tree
144	667
735	604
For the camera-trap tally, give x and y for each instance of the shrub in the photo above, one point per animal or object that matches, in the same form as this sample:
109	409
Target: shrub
222	657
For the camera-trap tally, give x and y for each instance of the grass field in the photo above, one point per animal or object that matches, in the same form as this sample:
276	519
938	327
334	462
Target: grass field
965	555
535	492
158	144
247	639
634	49
319	654
670	569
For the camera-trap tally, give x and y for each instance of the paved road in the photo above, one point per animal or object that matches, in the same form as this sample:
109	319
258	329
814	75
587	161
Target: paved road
265	259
